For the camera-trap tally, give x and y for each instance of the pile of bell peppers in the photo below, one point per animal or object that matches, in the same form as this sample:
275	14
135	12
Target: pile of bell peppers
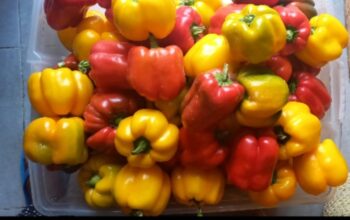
183	99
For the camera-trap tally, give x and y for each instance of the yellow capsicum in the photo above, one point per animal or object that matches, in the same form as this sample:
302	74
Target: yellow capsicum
96	178
195	186
142	191
136	20
327	40
298	130
323	167
51	141
255	34
59	92
282	188
210	52
146	138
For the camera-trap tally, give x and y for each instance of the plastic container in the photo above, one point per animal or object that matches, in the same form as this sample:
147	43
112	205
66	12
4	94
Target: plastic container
57	193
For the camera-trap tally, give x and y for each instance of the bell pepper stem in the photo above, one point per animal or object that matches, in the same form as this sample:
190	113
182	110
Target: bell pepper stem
141	146
197	30
84	66
282	136
292	86
117	120
153	41
223	78
248	19
292	34
93	181
187	2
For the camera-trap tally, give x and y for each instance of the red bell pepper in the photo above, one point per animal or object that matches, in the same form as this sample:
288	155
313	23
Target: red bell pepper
220	15
307	88
297	26
211	98
188	29
281	66
70	62
254	155
109	65
258	2
105	3
200	149
157	73
299	66
103	114
61	14
306	6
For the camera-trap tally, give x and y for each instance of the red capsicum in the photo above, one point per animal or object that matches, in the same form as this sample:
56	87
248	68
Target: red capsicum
297	26
254	155
258	2
70	62
281	66
61	14
103	114
308	89
299	66
211	98
188	29
157	73
109	65
200	149
220	15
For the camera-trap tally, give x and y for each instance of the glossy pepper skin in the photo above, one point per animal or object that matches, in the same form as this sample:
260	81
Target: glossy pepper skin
210	52
257	2
297	26
254	34
306	6
296	117
146	138
201	149
59	92
103	114
96	178
211	98
156	73
323	167
187	31
281	66
281	188
308	89
136	20
109	65
142	191
266	94
328	39
254	155
50	141
61	14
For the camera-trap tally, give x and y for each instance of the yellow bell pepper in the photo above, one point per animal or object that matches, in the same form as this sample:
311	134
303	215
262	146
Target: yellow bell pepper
282	188
327	40
142	191
51	141
136	20
321	168
146	138
205	8
96	178
266	94
195	186
210	52
255	34
59	92
298	131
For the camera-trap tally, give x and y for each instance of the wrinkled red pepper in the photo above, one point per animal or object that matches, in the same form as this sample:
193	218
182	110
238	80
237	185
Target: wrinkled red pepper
157	73
211	98
103	114
61	14
281	66
297	26
258	2
109	65
220	15
307	88
254	155
200	149
187	31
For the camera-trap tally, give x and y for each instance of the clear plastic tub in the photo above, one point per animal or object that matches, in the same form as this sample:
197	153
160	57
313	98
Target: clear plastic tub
58	193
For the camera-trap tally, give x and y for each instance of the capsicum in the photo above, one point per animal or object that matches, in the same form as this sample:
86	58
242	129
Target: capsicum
96	178
323	167
137	20
281	66
266	94
70	62
306	6
56	141
103	115
257	2
296	117
59	92
142	191
146	138
254	34
212	97
327	40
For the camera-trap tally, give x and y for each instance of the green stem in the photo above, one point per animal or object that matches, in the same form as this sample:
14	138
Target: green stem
187	2
141	146
84	66
153	41
117	120
224	77
93	181
274	178
248	19
293	86
197	30
313	29
292	34
282	136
